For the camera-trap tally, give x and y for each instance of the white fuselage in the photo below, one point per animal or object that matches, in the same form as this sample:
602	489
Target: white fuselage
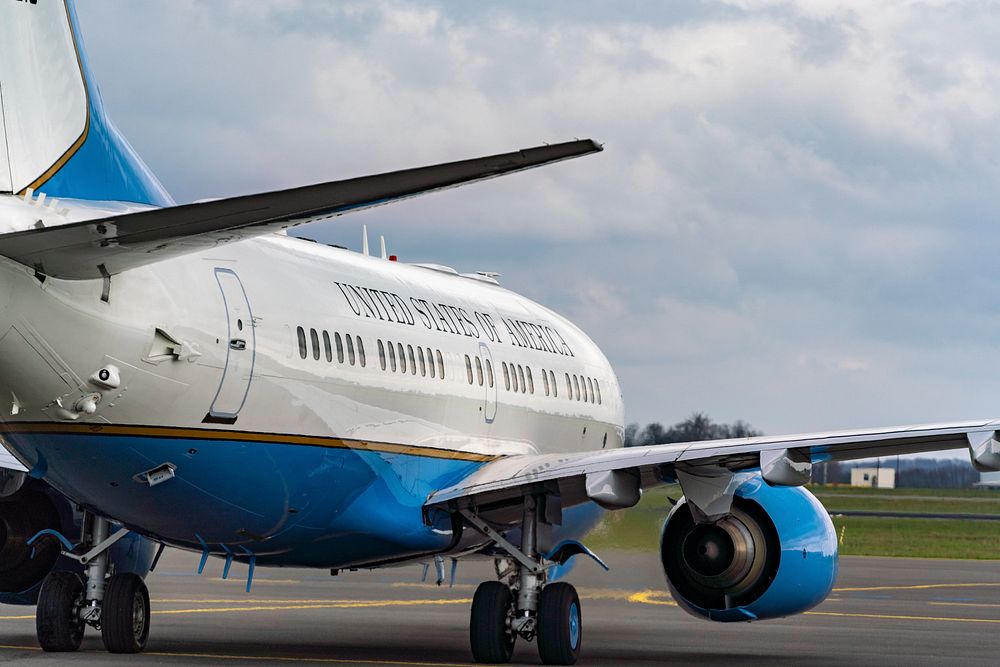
291	283
214	341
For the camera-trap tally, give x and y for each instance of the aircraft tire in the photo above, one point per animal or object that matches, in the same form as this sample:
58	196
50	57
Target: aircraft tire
57	619
125	614
560	624
489	628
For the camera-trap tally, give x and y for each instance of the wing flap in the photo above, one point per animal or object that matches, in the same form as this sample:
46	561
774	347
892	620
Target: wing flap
511	477
86	250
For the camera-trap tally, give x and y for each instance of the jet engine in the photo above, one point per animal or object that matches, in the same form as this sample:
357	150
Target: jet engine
31	507
773	555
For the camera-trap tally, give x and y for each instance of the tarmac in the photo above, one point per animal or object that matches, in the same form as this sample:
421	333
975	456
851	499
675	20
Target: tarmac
884	611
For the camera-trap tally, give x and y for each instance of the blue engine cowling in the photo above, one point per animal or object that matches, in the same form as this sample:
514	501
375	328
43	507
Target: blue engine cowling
774	555
36	506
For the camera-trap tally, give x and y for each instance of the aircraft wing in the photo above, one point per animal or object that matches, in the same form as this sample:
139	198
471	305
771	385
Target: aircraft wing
95	248
8	461
507	479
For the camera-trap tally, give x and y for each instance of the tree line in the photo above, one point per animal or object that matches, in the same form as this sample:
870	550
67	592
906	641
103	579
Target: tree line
698	426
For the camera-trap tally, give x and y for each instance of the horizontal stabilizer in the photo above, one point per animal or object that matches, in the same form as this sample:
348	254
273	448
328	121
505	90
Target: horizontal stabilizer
89	249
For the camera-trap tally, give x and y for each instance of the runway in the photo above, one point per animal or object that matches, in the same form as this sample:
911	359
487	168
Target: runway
884	611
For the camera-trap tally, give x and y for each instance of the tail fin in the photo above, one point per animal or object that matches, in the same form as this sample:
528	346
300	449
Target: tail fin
54	134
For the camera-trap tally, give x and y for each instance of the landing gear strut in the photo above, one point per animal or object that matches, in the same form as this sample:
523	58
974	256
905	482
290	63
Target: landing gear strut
520	604
117	605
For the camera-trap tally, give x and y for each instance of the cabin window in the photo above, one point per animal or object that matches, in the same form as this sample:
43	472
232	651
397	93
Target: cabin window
569	388
413	361
381	353
314	339
340	347
301	333
402	358
531	380
430	361
327	348
423	364
350	349
506	376
583	388
545	381
392	356
468	368
576	387
552	381
440	365
590	390
479	372
513	378
489	371
520	376
597	387
361	352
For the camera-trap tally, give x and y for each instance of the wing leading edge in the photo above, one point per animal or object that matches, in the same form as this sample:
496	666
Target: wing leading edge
507	479
95	248
8	462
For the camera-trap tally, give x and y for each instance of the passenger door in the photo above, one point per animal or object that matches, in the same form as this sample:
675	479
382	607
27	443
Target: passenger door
489	384
241	342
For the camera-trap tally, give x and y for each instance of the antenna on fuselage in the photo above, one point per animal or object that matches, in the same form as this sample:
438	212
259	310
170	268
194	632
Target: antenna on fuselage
364	239
381	242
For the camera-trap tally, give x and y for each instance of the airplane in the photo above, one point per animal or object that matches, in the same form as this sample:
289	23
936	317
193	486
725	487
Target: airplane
189	375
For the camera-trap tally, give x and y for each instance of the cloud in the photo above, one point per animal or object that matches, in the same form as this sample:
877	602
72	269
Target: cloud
793	221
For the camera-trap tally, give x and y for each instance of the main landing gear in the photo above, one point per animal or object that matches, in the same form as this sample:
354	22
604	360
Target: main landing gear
520	604
117	605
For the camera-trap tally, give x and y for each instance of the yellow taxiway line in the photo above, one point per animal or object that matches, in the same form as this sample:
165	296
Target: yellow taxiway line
291	606
965	604
274	658
647	597
917	587
900	617
655	598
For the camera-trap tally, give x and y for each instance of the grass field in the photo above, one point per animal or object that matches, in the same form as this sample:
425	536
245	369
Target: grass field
639	527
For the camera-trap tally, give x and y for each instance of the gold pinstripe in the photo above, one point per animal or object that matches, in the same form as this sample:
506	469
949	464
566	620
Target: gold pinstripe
16	428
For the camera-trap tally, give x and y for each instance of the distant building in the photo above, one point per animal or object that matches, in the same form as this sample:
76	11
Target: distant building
989	479
879	478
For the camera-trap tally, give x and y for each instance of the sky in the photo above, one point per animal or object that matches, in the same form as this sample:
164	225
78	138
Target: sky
793	222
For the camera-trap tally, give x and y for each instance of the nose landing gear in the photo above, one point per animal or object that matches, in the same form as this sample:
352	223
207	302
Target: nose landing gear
118	605
521	604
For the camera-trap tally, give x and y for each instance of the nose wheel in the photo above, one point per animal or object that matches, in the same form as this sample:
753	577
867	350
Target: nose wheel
117	605
125	614
57	618
560	626
521	603
490	630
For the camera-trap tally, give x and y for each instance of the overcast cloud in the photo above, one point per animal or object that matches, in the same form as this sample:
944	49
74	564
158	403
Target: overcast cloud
794	221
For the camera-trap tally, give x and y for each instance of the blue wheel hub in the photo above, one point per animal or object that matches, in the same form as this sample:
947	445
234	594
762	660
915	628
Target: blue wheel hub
574	625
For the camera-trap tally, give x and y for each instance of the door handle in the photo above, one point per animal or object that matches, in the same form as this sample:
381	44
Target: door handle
237	344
